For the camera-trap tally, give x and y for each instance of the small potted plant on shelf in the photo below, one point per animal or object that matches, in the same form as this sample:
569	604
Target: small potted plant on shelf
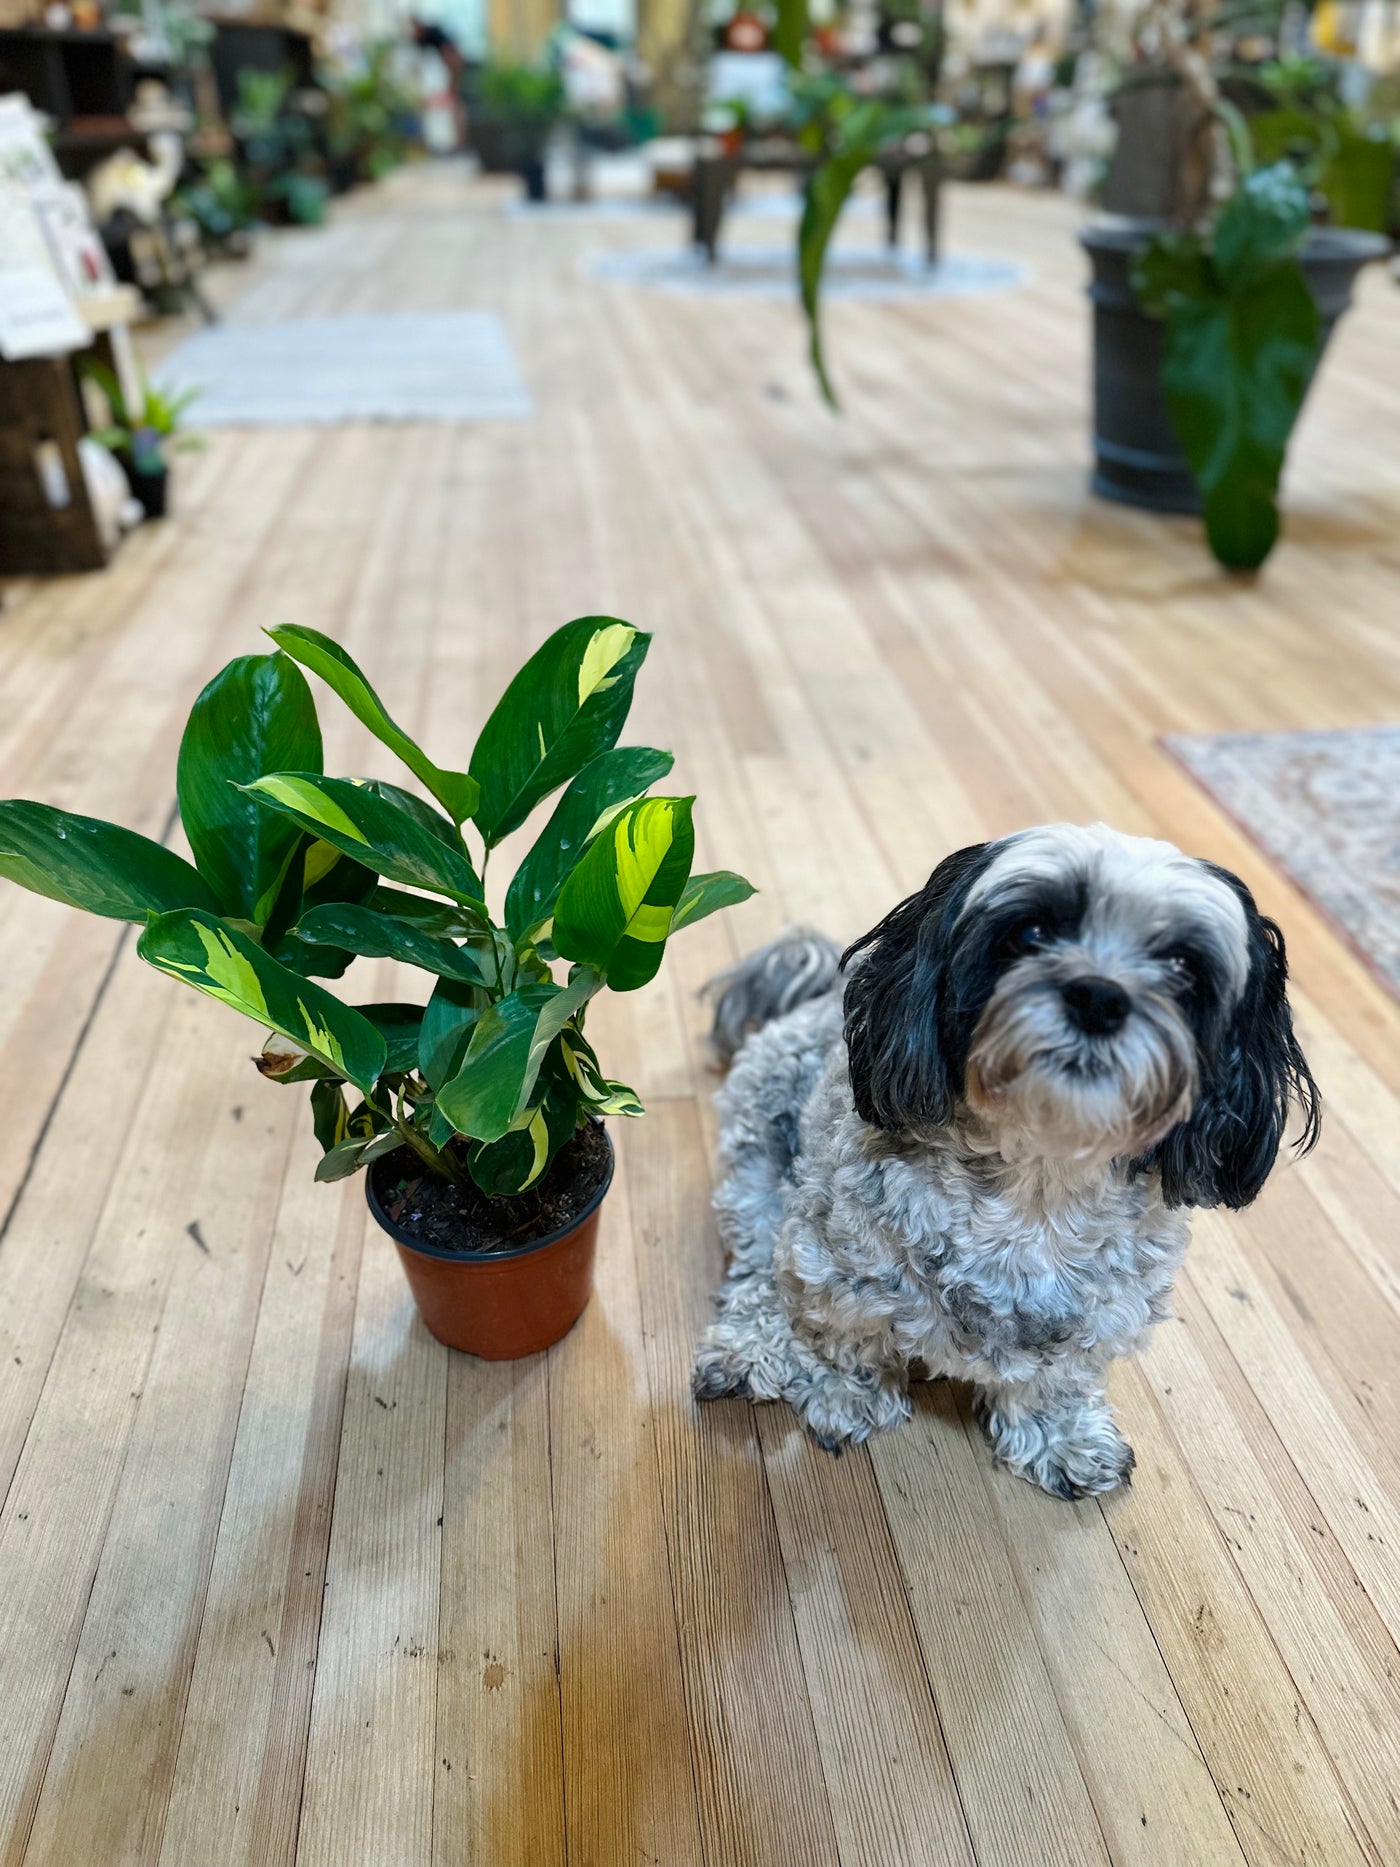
1211	312
144	438
477	1113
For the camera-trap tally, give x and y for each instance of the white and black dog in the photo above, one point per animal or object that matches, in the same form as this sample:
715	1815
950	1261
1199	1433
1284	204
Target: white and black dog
974	1153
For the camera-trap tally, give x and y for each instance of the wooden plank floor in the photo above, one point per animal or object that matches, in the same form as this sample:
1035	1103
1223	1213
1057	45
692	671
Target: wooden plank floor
282	1580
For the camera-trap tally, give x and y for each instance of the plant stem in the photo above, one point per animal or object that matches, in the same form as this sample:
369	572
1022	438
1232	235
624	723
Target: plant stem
433	1158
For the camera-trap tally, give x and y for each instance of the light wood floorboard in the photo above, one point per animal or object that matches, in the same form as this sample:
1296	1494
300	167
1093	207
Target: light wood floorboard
283	1583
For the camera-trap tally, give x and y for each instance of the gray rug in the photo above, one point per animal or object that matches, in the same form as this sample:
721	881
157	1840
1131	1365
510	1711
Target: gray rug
441	366
762	204
866	272
1326	806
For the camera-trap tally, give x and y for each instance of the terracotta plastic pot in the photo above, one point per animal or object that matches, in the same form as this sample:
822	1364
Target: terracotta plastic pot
500	1304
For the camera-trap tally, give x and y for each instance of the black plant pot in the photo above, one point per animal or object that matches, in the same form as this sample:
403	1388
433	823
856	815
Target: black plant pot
532	174
152	489
1137	457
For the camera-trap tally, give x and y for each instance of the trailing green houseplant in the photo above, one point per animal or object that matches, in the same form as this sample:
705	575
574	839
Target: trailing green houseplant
846	124
296	873
1242	338
847	132
1196	414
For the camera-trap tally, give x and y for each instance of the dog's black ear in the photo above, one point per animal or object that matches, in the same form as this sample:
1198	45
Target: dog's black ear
1256	1075
901	1075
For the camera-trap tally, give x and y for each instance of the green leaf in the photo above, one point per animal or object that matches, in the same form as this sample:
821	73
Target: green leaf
706	894
521	1158
790	32
566	705
1235	371
94	865
381	936
828	189
423	814
614	911
373	830
427	915
507	1050
601	1094
330	1115
481	1100
255	717
401	1028
448	1019
599	791
214	958
1261	224
1171	269
341	1161
454	790
1241	342
319	875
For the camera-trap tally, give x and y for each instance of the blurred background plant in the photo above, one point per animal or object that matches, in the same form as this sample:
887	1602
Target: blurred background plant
370	113
279	147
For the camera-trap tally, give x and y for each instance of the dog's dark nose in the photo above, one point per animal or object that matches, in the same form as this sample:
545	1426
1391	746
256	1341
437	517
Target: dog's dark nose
1097	1006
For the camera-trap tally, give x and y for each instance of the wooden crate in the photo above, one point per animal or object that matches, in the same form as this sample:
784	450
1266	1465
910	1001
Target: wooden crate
39	407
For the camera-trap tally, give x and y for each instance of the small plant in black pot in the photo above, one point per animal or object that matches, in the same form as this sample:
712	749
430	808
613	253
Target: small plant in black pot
478	1110
1212	306
144	438
512	113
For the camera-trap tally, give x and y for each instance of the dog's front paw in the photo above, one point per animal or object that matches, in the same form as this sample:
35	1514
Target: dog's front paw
718	1373
1072	1449
1087	1470
843	1408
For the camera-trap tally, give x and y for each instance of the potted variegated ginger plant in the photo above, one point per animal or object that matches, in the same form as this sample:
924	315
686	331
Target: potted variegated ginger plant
477	1113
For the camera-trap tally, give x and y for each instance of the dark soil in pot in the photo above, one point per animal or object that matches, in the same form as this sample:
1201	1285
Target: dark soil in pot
1137	457
497	1278
459	1219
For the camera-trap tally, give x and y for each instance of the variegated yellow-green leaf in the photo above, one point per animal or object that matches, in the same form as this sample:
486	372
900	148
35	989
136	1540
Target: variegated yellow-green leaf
602	1095
508	1046
614	911
256	716
454	790
372	829
601	789
521	1158
707	894
212	957
94	865
566	705
330	1115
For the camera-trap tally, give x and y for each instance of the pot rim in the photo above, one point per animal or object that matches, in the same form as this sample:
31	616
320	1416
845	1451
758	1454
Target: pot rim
1124	233
409	1243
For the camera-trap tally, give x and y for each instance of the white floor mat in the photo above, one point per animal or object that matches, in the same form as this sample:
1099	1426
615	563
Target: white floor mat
446	366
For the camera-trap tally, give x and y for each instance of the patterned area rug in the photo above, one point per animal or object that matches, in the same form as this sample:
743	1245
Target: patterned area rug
1326	807
449	366
771	272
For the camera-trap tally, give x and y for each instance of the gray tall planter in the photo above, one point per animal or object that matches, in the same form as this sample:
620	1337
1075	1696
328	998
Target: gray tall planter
1137	457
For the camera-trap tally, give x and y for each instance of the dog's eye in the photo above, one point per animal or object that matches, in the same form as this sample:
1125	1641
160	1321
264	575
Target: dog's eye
1183	967
1026	938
